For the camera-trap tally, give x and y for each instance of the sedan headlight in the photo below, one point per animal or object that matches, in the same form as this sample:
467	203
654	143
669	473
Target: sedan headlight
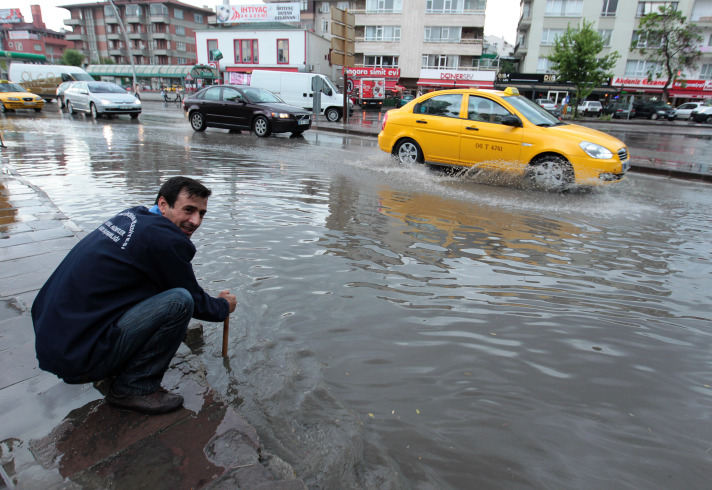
106	102
281	115
596	151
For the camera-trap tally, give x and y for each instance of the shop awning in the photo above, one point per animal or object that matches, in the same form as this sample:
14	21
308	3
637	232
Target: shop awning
692	94
167	71
437	82
22	56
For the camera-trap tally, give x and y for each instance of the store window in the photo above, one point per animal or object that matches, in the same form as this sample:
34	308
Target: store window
246	51
282	51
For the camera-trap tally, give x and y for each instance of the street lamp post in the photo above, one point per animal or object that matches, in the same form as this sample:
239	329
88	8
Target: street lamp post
128	45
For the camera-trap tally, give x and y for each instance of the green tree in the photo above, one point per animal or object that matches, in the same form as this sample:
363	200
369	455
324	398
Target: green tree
72	57
669	43
576	59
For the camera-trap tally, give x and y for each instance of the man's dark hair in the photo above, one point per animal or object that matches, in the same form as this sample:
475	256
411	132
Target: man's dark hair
172	187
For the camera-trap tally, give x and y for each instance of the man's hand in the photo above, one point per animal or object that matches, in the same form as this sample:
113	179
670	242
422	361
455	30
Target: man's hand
231	299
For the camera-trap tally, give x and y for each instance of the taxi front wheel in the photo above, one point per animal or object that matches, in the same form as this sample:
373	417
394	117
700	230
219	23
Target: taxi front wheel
408	152
551	172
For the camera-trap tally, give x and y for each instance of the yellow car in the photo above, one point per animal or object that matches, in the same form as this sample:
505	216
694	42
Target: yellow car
13	96
503	131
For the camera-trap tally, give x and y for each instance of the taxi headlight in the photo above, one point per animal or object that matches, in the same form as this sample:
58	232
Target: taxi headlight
14	99
596	151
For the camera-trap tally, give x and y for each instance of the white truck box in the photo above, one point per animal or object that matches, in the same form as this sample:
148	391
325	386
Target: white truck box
43	80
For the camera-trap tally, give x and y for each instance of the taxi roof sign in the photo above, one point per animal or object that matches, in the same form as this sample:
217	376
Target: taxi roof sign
511	91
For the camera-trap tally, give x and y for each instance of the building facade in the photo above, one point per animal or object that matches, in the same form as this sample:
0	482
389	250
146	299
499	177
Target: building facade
160	32
541	21
31	39
433	43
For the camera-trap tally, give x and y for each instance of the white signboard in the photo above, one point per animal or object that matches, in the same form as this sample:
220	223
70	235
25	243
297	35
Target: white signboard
270	12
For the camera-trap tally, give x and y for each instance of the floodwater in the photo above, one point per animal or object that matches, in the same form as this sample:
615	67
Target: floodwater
402	328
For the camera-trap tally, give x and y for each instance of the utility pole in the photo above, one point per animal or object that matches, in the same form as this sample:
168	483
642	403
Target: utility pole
128	45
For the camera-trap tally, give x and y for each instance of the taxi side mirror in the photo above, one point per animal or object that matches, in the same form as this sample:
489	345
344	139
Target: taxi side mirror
512	120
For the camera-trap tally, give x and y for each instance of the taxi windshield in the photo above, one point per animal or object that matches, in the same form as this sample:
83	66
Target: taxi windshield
533	112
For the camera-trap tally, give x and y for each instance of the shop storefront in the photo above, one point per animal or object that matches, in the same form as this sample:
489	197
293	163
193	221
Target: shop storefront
680	91
445	79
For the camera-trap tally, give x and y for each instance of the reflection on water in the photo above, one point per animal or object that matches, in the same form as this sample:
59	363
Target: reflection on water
400	328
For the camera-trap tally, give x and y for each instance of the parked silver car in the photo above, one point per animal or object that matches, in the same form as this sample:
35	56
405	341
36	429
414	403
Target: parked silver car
685	110
101	98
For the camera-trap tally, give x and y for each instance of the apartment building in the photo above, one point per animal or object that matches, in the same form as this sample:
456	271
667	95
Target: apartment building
541	21
160	32
431	44
31	41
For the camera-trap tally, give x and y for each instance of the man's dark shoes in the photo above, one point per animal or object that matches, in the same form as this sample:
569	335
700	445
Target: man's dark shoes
156	403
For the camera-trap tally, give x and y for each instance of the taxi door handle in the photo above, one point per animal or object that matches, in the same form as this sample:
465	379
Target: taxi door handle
420	121
472	128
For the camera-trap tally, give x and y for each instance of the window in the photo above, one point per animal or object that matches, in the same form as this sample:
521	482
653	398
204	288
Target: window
564	8
246	51
180	31
109	11
380	61
180	46
182	61
453	6
435	34
384	6
133	11
212	45
643	41
609	8
198	18
324	7
710	41
18	46
178	13
433	61
324	26
38	47
383	33
606	36
158	9
548	36
650	7
441	105
543	66
282	50
212	93
706	72
638	68
485	110
231	95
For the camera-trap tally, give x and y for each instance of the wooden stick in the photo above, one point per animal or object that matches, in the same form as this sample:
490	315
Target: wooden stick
226	332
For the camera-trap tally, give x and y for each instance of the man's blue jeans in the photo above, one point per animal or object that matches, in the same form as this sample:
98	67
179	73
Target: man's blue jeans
151	332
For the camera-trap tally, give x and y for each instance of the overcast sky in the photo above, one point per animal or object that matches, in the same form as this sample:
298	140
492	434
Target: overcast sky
501	16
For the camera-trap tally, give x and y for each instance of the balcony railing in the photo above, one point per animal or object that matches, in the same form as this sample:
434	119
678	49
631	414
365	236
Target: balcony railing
73	22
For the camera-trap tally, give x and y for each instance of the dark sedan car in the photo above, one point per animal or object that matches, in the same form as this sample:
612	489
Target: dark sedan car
654	110
243	107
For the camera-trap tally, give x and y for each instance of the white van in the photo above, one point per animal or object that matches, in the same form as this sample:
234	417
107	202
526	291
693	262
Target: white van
296	89
43	80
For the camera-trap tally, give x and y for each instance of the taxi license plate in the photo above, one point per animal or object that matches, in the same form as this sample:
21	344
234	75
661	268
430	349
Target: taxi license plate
29	103
303	121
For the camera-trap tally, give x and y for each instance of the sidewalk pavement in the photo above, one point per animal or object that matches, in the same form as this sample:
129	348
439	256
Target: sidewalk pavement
60	436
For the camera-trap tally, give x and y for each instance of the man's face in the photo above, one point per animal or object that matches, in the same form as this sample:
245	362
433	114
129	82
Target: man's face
187	213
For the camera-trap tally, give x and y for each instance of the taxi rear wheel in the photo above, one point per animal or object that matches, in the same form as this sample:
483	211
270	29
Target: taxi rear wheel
3	109
551	172
408	152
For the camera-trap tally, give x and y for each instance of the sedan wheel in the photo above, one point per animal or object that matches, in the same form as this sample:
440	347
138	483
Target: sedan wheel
708	120
261	127
551	172
197	121
70	108
654	116
408	152
94	112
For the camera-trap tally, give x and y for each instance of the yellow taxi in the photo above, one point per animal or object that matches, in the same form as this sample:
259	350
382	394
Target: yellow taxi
14	96
502	131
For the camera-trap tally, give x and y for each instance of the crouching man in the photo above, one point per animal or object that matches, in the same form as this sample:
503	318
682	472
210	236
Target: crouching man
119	304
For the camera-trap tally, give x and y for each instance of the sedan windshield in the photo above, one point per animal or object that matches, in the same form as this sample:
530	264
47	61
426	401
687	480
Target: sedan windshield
533	112
11	87
105	88
261	96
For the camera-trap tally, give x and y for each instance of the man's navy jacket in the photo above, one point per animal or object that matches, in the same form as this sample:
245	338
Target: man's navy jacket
130	258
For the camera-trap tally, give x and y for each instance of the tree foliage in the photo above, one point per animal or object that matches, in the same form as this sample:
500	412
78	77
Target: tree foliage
669	43
576	59
72	57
